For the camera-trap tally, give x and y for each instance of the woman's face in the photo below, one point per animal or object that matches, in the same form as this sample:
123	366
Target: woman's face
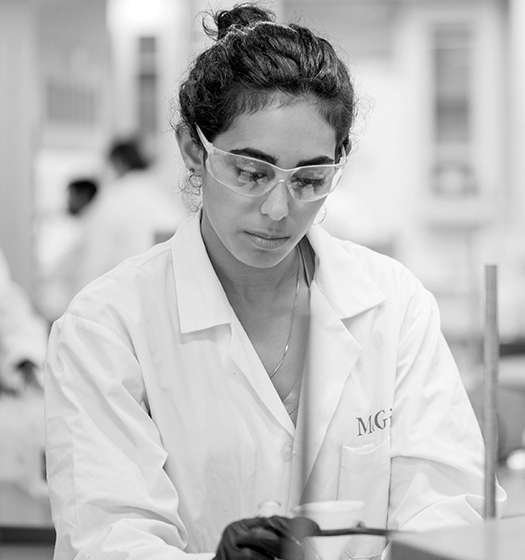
261	231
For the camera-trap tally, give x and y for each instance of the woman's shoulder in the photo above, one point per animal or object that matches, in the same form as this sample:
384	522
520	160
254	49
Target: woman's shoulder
387	272
127	289
368	257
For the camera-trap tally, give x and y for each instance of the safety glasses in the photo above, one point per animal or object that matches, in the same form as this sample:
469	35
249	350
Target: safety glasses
253	177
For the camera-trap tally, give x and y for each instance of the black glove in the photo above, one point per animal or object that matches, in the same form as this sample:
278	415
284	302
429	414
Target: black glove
264	538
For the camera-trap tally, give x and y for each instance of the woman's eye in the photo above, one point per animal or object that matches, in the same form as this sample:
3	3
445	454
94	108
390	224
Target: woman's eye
305	182
250	176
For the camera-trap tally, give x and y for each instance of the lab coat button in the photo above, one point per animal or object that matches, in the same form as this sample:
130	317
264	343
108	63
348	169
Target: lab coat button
286	451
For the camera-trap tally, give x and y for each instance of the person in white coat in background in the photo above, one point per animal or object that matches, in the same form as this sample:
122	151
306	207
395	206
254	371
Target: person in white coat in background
23	342
23	336
176	383
130	210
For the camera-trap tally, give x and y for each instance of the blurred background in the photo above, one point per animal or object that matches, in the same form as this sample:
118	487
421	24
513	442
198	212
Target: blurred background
436	178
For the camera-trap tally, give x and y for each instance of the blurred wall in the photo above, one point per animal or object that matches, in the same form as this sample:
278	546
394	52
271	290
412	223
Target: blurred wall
18	134
516	107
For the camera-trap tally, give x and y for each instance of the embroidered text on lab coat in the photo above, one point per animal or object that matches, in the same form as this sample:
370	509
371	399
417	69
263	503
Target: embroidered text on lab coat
379	421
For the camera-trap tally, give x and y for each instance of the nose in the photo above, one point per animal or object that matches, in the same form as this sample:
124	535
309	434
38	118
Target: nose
275	205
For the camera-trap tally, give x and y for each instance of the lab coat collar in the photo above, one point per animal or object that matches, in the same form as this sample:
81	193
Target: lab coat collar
340	277
201	299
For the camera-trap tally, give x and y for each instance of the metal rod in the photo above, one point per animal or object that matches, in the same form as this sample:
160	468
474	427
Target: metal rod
358	530
307	406
490	386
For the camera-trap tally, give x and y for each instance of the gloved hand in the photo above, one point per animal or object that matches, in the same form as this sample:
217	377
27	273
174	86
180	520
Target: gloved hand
264	538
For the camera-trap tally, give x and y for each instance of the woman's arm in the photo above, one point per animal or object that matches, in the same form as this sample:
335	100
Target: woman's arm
111	497
437	447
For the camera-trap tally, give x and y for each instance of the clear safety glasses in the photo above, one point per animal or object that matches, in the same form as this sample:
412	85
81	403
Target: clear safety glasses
254	177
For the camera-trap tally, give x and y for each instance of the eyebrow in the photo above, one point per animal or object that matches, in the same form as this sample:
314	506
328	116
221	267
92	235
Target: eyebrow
250	152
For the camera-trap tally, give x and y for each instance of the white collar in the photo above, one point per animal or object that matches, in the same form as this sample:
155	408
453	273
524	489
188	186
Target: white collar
203	304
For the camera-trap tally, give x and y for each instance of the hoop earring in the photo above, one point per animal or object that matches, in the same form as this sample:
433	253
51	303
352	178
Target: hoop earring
194	180
321	215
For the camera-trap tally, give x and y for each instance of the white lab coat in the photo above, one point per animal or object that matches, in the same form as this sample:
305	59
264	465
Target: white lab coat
23	333
163	426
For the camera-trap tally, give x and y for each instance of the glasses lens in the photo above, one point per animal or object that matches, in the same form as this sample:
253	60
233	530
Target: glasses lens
312	183
247	175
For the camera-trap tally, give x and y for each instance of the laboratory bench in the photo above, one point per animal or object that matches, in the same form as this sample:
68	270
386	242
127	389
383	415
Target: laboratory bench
487	540
26	528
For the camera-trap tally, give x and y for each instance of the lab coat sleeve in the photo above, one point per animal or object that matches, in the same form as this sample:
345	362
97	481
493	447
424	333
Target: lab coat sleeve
110	496
23	333
437	476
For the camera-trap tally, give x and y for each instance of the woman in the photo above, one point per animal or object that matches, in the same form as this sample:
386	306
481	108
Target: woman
176	382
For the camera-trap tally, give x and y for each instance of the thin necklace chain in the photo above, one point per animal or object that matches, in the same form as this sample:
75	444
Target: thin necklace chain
277	367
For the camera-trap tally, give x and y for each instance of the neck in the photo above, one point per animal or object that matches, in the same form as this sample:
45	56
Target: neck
250	283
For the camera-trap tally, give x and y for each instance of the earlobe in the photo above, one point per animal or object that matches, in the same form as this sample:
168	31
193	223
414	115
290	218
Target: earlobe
190	152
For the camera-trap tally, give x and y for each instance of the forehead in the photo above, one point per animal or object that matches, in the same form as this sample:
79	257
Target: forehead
288	132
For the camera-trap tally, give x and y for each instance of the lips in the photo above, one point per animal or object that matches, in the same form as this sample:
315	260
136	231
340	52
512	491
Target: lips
267	241
268	236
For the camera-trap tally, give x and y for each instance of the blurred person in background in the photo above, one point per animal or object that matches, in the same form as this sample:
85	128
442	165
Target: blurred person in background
130	210
23	336
61	272
23	343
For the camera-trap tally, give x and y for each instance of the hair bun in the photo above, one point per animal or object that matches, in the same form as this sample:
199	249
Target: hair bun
241	15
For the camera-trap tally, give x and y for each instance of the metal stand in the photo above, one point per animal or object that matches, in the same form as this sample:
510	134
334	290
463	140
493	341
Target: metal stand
490	387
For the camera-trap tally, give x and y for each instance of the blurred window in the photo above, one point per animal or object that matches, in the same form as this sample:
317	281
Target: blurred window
452	49
147	85
452	79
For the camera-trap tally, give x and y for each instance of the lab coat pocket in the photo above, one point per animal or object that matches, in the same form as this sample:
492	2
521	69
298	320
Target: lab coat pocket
365	476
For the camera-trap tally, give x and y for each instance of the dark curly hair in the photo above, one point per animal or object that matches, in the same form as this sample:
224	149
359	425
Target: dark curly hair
256	62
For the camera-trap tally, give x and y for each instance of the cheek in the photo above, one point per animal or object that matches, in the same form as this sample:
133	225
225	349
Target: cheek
215	199
309	213
224	208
